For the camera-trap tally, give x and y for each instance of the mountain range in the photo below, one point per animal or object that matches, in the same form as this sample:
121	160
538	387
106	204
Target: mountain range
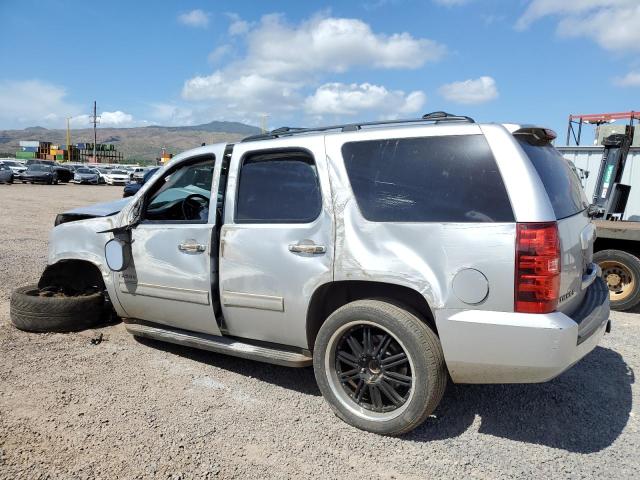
136	143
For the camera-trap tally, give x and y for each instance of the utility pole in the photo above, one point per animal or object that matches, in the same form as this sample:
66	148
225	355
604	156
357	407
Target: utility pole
68	140
264	122
95	119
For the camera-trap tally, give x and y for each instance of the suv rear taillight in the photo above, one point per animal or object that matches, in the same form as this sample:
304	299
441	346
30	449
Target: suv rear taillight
537	267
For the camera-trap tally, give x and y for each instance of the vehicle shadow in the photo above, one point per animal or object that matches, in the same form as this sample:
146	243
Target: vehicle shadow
584	410
297	379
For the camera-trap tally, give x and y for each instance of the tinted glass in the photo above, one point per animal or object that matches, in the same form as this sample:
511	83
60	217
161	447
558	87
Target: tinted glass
39	168
84	170
427	179
278	189
560	181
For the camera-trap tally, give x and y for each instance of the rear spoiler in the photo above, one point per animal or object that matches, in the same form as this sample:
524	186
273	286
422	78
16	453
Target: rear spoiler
540	135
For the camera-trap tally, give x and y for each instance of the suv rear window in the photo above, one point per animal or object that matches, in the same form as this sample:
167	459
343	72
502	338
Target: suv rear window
428	179
560	181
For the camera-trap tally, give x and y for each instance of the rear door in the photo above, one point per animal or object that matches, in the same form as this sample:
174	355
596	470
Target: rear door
577	232
277	240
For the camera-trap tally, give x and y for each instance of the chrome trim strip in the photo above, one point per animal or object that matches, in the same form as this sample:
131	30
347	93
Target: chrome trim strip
200	297
252	300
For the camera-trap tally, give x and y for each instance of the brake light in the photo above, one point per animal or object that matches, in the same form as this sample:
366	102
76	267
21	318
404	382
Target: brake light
537	267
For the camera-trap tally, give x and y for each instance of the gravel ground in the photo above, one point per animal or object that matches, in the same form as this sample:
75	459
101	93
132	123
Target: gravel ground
133	409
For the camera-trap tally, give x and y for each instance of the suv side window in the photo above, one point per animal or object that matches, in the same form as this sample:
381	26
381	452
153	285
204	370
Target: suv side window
278	187
183	194
427	179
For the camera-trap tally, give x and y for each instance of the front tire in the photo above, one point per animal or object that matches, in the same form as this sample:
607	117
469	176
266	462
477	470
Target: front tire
621	271
380	368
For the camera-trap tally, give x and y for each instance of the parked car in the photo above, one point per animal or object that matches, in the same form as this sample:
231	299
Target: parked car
87	175
132	188
390	256
6	174
138	173
63	174
117	177
40	173
16	167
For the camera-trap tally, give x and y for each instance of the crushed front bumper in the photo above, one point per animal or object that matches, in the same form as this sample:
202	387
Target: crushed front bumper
504	347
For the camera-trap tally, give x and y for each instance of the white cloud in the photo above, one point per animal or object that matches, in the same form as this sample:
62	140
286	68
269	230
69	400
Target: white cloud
195	18
33	102
354	99
282	61
613	24
219	53
631	79
237	25
29	103
244	92
468	92
332	44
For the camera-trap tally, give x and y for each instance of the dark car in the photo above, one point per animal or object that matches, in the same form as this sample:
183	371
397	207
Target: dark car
40	173
132	188
63	173
6	174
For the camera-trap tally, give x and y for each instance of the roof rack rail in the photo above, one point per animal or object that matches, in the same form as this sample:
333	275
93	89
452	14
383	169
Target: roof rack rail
435	117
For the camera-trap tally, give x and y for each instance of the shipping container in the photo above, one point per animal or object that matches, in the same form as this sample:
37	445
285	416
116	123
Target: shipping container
24	155
59	157
29	149
29	143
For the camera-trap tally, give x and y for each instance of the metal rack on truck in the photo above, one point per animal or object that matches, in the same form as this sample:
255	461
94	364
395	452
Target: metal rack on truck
608	180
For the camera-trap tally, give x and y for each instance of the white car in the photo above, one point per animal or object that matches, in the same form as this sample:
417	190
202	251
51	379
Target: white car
117	177
16	167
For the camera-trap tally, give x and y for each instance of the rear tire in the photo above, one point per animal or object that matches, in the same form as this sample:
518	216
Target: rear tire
32	312
621	272
372	386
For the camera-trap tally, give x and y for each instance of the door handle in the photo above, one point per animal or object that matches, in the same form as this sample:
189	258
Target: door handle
191	246
311	248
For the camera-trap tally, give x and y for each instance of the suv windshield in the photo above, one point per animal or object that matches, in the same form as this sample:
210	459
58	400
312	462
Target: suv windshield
84	170
560	181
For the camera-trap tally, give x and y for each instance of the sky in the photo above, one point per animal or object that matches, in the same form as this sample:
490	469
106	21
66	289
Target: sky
298	63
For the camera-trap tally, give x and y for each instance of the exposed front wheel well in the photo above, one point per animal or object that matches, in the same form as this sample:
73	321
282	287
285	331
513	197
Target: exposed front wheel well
331	296
72	276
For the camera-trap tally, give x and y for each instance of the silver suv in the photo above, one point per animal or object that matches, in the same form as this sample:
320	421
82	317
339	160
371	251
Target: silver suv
391	256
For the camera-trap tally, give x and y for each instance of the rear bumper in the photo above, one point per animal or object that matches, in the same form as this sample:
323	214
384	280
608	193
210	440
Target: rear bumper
504	347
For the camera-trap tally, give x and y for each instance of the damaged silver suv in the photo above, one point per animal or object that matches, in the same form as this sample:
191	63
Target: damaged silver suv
391	256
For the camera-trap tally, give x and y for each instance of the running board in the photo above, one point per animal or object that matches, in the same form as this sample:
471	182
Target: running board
225	345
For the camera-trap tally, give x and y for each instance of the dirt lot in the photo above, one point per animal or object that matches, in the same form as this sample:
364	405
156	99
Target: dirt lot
131	409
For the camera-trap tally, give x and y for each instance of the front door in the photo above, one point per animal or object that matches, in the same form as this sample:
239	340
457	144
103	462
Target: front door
170	277
277	239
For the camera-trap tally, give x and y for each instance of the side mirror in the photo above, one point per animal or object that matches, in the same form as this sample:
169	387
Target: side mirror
117	254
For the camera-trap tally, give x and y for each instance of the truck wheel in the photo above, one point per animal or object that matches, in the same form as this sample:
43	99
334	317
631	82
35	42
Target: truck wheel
37	310
380	368
621	271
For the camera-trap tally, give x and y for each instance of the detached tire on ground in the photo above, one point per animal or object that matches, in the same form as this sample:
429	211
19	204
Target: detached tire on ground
621	272
34	312
380	368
